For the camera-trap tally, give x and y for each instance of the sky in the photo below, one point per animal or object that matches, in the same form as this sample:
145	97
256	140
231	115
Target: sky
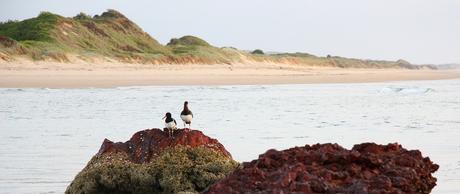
419	31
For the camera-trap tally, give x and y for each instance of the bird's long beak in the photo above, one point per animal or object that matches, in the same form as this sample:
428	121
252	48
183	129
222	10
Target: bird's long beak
164	117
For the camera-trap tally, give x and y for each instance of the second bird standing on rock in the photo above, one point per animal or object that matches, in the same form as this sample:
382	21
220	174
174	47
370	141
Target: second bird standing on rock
186	115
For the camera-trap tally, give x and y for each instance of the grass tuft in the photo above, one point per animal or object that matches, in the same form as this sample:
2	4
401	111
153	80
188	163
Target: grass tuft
37	29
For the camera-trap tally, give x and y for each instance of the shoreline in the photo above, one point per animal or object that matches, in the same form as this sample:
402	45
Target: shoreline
90	76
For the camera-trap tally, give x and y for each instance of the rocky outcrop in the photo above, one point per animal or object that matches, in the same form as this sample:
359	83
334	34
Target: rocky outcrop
329	168
191	162
152	162
147	144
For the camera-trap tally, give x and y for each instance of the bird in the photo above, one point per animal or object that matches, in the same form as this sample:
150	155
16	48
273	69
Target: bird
170	124
186	115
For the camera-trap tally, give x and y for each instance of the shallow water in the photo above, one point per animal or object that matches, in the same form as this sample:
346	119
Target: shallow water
48	135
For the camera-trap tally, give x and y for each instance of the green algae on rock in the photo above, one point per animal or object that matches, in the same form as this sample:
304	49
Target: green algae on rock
175	169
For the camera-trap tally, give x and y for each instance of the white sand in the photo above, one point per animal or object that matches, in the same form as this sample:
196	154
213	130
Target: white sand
55	75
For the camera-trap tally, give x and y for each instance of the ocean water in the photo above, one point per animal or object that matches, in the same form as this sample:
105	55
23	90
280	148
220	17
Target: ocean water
48	135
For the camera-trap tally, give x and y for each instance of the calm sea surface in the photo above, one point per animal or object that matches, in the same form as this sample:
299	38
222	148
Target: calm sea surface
48	135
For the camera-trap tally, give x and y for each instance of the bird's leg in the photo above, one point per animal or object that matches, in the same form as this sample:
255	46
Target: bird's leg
188	128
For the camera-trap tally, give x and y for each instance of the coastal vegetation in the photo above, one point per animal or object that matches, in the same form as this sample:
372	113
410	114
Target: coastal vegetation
112	37
258	52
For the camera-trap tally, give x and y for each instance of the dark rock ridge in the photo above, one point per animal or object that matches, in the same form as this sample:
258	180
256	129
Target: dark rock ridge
329	168
147	144
152	162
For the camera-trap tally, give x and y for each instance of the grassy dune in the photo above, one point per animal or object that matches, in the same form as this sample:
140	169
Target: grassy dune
113	37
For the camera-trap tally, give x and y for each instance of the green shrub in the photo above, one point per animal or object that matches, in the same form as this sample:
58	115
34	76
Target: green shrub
110	14
188	40
82	16
258	52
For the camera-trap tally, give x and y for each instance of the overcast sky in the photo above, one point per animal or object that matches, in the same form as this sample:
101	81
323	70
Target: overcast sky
420	31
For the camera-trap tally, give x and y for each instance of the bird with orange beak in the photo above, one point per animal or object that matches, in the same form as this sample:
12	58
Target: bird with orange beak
186	115
170	124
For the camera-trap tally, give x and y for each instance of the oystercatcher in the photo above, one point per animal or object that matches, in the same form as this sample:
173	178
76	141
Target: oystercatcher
170	124
186	115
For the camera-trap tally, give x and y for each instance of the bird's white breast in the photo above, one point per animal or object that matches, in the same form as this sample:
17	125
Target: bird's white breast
186	118
170	125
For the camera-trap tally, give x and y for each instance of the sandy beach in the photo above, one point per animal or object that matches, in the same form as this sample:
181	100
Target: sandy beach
106	75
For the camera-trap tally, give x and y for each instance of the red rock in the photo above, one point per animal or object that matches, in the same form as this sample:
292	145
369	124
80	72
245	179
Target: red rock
329	168
145	145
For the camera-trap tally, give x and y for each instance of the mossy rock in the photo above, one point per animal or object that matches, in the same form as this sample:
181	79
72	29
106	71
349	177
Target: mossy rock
176	170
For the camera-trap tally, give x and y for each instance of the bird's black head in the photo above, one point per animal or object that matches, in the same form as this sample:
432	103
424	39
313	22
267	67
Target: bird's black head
185	103
168	115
